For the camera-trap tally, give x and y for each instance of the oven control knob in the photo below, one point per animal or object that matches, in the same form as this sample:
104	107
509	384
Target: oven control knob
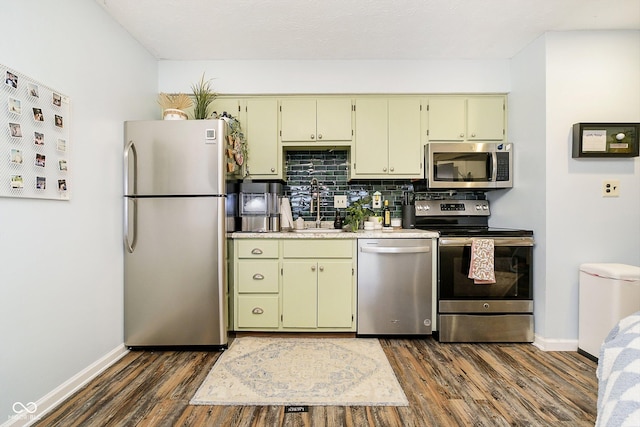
478	207
486	305
485	207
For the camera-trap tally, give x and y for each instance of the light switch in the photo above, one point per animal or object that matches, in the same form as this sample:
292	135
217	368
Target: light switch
611	188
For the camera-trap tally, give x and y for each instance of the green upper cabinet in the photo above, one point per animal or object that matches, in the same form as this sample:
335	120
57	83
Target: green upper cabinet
261	131
311	120
486	118
467	118
388	140
229	105
371	138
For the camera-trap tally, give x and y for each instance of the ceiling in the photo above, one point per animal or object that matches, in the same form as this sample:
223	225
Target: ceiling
358	29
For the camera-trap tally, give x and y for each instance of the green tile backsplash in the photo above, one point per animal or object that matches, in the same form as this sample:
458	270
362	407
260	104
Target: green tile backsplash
331	169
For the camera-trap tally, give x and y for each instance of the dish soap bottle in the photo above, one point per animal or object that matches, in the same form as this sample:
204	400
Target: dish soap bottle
386	215
337	223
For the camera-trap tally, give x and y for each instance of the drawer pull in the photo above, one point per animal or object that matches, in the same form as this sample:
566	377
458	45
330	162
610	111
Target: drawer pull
257	310
258	276
256	251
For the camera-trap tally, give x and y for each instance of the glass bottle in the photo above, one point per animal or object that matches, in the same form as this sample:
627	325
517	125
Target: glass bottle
386	215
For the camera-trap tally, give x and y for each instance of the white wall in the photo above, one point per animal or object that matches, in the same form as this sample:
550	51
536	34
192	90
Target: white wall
61	262
265	77
524	205
558	80
591	77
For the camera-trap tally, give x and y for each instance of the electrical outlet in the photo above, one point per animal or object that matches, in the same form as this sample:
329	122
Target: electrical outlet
339	201
611	188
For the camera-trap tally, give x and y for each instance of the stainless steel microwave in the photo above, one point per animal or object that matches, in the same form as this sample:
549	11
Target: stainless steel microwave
463	165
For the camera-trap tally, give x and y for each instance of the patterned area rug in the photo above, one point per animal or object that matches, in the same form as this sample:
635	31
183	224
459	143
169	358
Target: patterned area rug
302	371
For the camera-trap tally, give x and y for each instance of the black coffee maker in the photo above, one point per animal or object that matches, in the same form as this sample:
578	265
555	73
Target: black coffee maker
408	209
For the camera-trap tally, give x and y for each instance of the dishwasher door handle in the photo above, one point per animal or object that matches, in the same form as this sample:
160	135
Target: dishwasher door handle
396	249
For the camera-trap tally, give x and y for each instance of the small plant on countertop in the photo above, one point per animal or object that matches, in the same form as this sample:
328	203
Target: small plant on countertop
357	212
203	95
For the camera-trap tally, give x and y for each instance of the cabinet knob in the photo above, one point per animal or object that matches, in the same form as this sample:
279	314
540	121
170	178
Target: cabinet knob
473	135
461	135
391	169
319	136
384	169
321	268
257	310
256	251
313	136
258	276
273	169
313	268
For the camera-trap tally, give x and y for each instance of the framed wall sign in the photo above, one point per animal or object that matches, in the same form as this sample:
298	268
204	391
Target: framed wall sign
34	143
605	140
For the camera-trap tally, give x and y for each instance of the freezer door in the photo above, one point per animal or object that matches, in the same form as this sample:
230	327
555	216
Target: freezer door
175	272
174	157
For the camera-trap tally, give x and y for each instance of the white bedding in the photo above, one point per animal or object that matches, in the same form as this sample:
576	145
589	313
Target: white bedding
619	375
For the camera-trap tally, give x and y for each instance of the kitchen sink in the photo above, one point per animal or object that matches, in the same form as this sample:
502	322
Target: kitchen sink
319	230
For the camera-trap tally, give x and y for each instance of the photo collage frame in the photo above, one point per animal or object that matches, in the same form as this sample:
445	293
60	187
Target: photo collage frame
35	140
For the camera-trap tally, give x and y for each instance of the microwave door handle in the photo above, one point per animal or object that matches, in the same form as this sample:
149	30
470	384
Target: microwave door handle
494	166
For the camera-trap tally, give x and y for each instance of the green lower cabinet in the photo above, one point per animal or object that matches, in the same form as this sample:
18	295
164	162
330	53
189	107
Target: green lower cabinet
335	294
294	285
299	294
258	311
317	294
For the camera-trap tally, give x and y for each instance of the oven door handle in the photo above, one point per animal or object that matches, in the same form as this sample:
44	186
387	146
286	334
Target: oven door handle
396	250
527	241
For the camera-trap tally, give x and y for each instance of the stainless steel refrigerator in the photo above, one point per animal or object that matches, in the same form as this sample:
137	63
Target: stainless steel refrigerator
174	233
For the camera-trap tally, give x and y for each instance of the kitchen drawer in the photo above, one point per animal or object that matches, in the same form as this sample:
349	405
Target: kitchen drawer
259	248
317	248
258	311
257	277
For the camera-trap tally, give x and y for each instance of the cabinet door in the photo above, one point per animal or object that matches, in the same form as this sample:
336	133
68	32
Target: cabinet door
298	120
230	105
333	119
335	294
405	147
485	118
262	138
299	294
447	119
371	157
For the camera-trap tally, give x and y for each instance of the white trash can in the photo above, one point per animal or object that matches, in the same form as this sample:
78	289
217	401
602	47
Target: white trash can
608	293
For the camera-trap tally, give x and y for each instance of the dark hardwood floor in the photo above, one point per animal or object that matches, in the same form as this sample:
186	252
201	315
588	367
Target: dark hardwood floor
446	384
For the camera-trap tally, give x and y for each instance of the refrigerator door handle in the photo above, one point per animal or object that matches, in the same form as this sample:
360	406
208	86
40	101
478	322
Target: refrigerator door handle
130	147
130	245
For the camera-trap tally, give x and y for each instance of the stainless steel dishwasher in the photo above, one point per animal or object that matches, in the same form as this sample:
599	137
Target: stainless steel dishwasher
395	289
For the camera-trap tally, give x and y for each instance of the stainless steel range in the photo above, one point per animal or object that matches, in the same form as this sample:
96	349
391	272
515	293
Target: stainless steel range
472	310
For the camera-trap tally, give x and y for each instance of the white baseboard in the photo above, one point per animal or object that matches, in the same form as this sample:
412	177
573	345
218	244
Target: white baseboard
54	398
546	344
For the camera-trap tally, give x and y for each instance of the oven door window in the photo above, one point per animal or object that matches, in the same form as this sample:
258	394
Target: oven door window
462	167
512	265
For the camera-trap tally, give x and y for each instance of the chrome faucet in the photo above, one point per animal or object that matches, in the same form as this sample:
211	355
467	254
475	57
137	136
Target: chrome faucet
315	194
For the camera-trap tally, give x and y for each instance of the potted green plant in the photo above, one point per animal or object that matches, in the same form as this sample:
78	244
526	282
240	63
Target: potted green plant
357	212
203	95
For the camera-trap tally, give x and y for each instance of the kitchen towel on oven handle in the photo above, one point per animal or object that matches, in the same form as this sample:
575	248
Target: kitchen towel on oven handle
481	269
